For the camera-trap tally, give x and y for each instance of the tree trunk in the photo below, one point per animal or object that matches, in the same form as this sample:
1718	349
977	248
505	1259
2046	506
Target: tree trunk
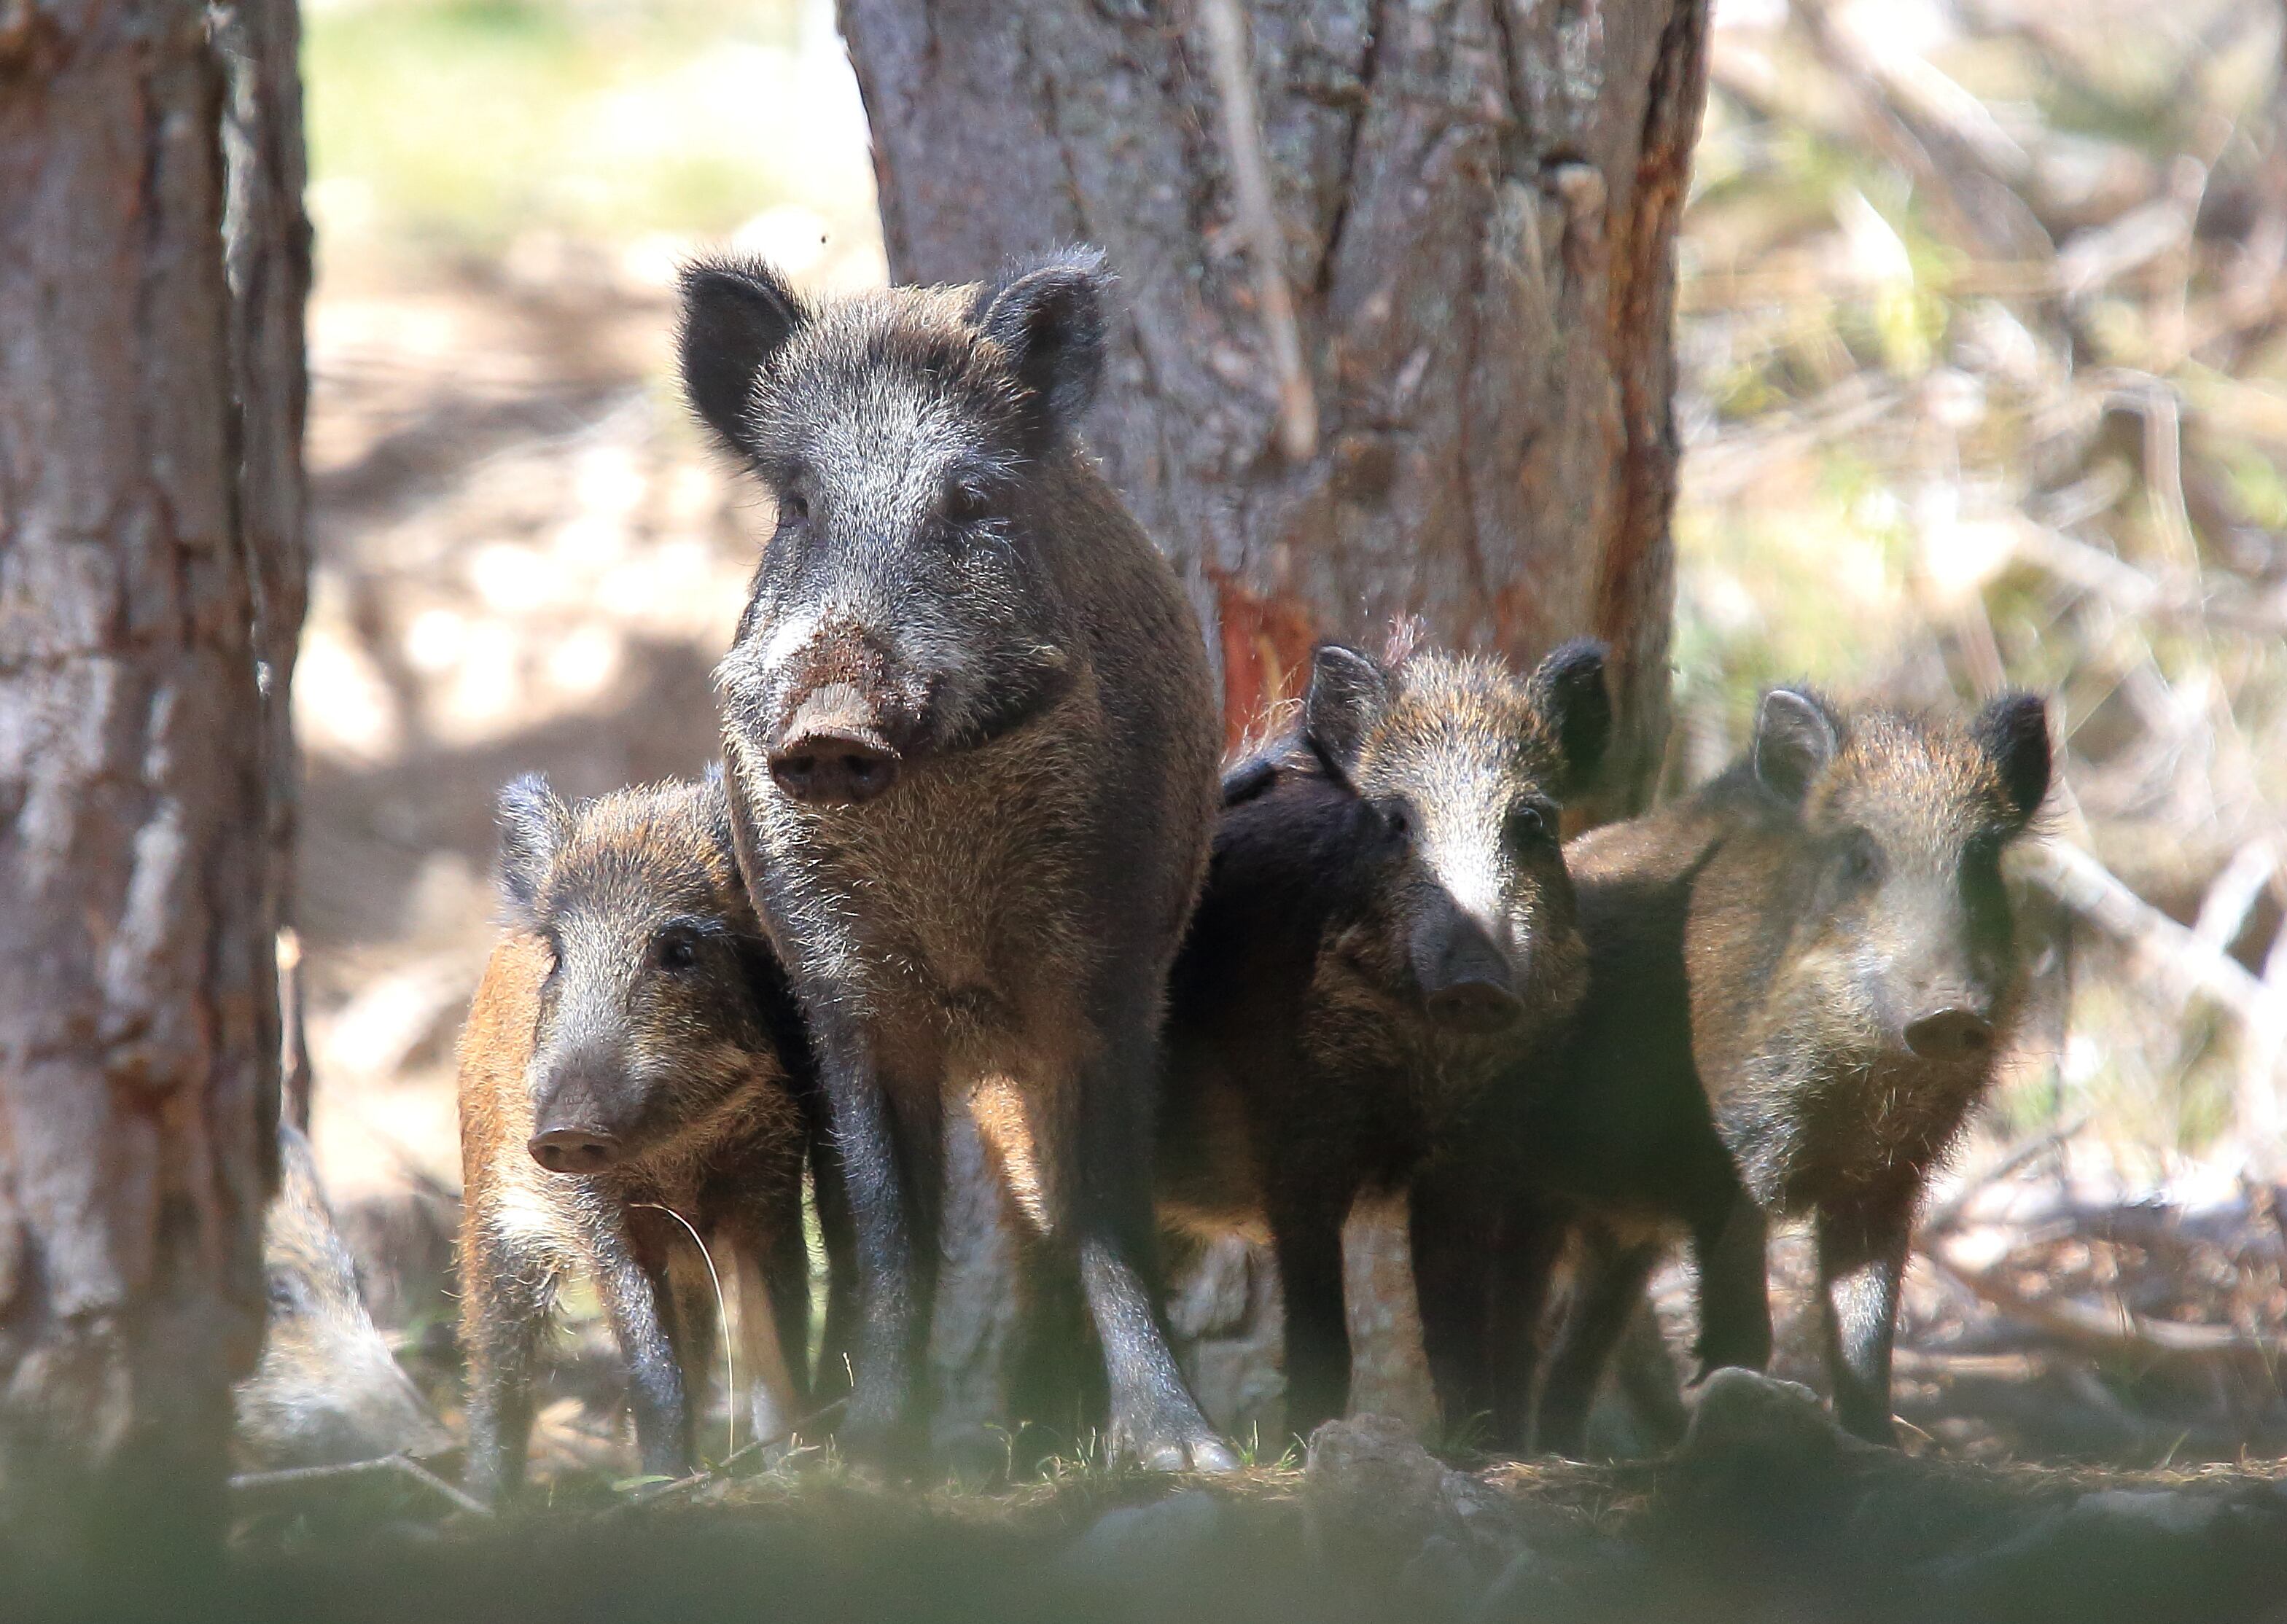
1477	201
266	247
149	555
1452	399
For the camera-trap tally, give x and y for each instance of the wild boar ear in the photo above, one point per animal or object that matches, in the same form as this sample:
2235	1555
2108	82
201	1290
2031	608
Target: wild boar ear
1050	319
1794	740
1569	693
736	315
714	807
2014	732
1347	692
534	824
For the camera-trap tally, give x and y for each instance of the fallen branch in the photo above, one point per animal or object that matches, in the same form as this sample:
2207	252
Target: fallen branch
652	1494
1944	1217
2199	602
399	1464
2118	1334
2190	966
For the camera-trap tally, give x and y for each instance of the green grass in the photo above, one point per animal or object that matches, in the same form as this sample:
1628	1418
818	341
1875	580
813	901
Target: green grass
460	124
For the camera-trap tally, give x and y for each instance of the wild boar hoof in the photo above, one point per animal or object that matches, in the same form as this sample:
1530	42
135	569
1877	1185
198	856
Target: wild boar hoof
1189	1449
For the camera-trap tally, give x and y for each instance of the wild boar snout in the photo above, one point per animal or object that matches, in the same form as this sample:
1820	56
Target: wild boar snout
1467	980
575	1129
1950	1033
834	750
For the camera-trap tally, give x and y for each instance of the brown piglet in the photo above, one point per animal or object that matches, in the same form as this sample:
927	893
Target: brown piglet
633	1076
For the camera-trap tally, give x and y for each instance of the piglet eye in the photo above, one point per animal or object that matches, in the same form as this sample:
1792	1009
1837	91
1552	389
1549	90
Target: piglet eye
1861	862
794	508
676	951
1398	818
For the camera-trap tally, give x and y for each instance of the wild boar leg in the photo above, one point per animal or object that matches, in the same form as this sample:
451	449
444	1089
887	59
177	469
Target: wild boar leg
1483	1266
1730	1245
693	1321
1862	1260
1308	1238
1154	1417
632	1294
1526	1251
510	1290
784	1263
1453	1273
892	1292
837	1347
1613	1277
773	1398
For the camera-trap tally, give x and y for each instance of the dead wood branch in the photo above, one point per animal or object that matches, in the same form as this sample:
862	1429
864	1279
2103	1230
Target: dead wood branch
2118	1332
2173	600
399	1465
2188	966
1944	1217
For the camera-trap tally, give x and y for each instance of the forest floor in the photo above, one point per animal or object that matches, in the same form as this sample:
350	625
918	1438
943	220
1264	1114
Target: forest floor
1764	1512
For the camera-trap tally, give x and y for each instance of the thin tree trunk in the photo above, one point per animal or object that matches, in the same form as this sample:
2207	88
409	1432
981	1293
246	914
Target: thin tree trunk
1478	201
141	581
267	245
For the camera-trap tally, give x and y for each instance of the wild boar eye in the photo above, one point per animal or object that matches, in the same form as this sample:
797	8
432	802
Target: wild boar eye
1861	863
1398	817
1530	825
794	508
966	502
677	950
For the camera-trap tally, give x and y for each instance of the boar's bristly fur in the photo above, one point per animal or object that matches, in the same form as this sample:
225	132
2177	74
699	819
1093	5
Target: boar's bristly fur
633	1048
1801	979
328	1390
1386	918
972	737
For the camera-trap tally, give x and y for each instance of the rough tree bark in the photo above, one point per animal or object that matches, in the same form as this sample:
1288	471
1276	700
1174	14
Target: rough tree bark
1477	202
267	246
149	556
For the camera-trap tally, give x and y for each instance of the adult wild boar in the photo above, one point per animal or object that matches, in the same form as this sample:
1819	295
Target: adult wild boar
972	737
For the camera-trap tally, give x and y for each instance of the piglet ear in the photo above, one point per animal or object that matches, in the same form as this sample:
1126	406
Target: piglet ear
1049	317
1569	694
1795	737
2014	733
737	313
533	826
1348	690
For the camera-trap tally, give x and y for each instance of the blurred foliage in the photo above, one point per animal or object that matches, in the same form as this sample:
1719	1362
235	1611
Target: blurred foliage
455	125
1984	383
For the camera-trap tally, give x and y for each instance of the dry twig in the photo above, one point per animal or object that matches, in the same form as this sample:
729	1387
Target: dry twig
399	1464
